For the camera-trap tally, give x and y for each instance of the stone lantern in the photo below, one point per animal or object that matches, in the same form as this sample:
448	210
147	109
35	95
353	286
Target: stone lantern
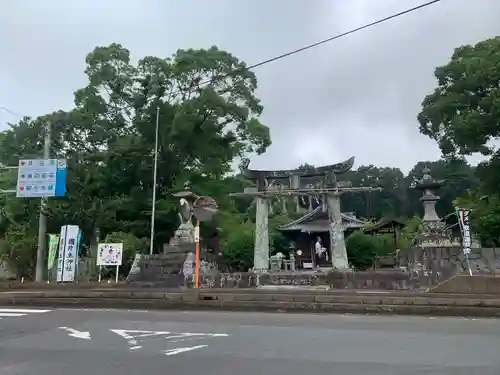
432	231
429	188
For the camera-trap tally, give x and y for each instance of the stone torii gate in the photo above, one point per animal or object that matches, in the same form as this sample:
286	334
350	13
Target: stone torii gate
329	189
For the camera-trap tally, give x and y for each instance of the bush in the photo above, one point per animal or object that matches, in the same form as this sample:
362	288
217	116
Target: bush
131	246
363	248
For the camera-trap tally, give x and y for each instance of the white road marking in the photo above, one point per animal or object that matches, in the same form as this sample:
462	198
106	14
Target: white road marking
134	336
182	350
85	335
11	314
26	311
186	336
123	333
104	310
19	312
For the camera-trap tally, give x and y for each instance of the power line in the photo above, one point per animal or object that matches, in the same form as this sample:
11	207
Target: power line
307	47
10	111
338	36
293	52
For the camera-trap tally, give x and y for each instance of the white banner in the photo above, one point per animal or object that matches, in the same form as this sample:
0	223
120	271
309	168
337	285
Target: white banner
464	221
60	257
109	254
68	256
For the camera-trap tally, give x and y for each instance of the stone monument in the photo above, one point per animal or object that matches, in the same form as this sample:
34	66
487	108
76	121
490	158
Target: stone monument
175	266
329	191
433	231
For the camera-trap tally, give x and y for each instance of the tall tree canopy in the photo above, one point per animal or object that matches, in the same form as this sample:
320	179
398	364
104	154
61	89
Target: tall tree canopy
208	116
463	116
463	112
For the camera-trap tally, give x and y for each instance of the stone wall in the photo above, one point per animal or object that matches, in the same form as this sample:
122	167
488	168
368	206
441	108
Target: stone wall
154	273
162	269
168	270
444	262
416	269
374	280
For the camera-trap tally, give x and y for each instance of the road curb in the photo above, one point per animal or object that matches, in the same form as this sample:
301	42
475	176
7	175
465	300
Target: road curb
238	302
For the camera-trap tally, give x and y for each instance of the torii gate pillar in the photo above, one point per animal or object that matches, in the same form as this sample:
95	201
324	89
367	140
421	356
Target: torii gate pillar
261	244
336	228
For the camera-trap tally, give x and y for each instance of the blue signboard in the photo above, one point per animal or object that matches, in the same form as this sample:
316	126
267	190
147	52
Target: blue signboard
41	178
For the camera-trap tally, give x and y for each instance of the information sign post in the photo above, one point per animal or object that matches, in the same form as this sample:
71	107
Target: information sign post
109	254
41	178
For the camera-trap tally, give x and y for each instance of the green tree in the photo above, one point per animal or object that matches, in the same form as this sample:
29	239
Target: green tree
463	112
208	118
237	246
131	246
204	127
463	116
409	232
18	229
458	175
390	201
485	218
361	249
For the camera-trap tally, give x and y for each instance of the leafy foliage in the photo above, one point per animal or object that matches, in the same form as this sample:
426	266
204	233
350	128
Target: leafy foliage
108	139
463	116
463	112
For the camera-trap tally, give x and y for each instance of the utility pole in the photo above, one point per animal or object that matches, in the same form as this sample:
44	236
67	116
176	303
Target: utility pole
42	223
155	173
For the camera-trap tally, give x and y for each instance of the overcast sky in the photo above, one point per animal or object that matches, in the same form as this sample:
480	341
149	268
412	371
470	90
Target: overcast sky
358	95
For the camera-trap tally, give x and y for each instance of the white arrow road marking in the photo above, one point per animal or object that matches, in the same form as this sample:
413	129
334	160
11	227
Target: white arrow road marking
134	336
77	334
182	350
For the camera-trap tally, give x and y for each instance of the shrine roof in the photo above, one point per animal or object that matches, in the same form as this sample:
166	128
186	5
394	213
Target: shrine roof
385	223
337	168
316	214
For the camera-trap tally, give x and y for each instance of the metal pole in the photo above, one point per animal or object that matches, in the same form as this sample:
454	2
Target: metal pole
42	223
197	255
468	264
155	169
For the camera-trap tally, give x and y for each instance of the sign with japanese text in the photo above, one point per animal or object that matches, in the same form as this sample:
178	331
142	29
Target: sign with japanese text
60	252
67	261
41	178
464	222
109	254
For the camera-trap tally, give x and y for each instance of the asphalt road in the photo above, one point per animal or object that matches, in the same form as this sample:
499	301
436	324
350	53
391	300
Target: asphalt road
119	342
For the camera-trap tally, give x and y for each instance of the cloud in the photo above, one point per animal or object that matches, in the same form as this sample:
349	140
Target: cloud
358	95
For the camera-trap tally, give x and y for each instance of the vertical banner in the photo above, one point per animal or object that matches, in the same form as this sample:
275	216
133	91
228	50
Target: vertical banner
53	242
464	223
79	241
60	257
68	255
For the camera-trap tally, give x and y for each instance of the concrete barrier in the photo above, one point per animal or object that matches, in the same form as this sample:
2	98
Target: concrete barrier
120	289
433	304
476	284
